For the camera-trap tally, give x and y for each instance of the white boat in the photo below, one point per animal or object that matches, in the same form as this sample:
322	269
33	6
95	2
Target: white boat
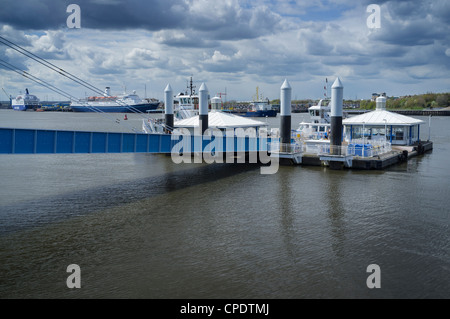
187	117
25	102
125	103
185	106
186	103
319	126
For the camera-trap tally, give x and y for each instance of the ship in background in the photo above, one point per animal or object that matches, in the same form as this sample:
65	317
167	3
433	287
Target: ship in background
25	102
125	103
260	107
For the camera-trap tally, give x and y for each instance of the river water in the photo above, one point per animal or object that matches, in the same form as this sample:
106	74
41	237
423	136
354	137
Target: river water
141	226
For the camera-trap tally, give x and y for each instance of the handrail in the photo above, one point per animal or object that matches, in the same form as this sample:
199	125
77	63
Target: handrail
359	150
290	148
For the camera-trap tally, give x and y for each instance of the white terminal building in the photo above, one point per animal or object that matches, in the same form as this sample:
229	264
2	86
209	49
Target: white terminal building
223	121
382	125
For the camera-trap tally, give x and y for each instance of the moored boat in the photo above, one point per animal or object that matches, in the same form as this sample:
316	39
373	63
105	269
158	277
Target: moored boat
125	103
25	102
260	107
319	126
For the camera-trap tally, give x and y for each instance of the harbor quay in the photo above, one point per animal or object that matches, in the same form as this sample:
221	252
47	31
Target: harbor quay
373	140
396	156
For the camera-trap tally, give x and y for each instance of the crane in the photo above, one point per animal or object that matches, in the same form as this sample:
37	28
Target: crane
9	97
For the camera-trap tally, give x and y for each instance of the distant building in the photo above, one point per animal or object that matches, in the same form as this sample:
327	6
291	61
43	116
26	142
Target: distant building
376	95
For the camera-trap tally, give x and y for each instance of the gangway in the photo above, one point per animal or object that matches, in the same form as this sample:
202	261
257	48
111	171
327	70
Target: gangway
39	141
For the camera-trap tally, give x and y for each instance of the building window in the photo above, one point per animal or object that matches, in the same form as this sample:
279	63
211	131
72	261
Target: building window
398	133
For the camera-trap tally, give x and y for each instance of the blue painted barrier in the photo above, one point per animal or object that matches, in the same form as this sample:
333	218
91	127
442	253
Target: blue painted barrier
31	141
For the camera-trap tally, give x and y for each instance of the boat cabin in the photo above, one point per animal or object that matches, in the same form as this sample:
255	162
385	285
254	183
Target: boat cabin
320	113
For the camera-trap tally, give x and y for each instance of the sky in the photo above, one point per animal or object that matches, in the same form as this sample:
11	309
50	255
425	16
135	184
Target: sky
233	46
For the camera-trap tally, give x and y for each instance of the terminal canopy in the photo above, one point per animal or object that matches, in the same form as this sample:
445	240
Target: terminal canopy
382	117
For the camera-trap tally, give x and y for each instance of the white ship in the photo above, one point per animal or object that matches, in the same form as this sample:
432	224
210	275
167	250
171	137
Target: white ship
25	102
125	103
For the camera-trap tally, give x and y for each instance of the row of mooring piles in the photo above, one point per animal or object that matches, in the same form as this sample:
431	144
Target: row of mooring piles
285	115
337	157
203	108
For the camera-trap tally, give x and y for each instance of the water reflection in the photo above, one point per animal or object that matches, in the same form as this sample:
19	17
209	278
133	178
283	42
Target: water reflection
285	202
52	208
334	197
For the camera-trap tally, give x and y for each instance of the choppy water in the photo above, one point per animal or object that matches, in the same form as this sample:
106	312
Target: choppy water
140	226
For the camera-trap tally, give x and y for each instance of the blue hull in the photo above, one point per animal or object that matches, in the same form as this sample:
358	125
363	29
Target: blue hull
268	113
25	107
117	109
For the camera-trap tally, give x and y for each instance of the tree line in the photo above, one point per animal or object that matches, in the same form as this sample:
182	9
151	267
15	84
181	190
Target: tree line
412	102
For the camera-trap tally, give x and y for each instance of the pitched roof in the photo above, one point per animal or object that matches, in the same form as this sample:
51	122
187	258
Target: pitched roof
220	120
377	117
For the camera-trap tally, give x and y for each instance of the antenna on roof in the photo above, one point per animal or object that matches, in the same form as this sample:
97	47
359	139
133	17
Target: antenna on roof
191	87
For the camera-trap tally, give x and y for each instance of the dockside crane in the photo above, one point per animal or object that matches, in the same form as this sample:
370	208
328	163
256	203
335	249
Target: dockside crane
9	96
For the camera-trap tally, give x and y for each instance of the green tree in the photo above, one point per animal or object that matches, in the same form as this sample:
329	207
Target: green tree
443	100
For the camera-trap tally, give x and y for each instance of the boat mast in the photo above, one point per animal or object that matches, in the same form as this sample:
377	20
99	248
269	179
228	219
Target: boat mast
191	87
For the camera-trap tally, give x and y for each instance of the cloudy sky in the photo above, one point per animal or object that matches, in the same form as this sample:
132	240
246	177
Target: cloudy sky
231	45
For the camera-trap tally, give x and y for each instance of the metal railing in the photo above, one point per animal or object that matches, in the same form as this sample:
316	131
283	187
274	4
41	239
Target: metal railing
152	126
327	149
290	148
359	150
375	148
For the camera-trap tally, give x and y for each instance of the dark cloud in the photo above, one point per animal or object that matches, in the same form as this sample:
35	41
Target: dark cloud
222	21
411	23
34	15
316	45
410	33
234	39
120	14
186	39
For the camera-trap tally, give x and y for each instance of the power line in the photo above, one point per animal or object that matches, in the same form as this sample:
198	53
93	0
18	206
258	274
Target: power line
61	71
55	89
